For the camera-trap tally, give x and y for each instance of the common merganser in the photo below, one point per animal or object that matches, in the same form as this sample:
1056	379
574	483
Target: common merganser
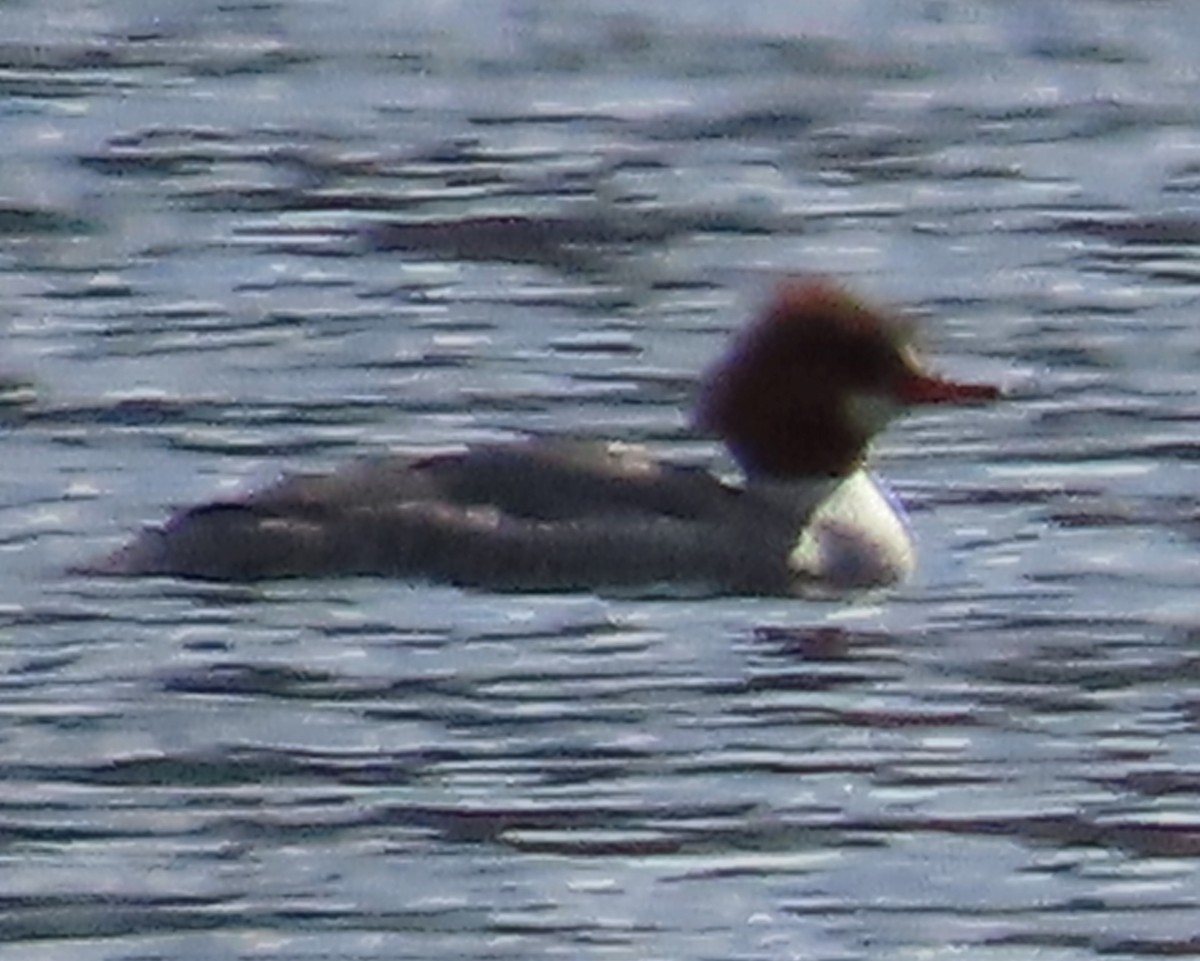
796	400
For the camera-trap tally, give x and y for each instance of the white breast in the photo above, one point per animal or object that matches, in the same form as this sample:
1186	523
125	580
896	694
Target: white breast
857	537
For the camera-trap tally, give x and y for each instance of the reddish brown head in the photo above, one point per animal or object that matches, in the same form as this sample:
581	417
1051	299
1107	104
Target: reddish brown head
803	389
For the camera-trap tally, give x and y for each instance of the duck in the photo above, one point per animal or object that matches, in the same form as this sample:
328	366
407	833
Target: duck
796	399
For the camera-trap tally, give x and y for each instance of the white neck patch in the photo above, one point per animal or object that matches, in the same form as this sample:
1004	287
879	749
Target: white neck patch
870	412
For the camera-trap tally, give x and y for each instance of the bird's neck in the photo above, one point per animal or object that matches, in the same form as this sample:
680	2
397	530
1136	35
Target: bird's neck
795	498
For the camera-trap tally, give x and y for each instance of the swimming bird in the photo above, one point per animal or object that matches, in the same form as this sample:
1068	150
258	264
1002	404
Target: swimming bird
796	400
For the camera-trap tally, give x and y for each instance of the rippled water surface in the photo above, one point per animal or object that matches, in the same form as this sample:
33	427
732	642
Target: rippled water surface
240	238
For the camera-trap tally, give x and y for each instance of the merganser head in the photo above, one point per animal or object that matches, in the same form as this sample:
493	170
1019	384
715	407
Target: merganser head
805	387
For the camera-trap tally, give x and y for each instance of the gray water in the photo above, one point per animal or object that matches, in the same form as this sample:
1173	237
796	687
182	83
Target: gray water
243	238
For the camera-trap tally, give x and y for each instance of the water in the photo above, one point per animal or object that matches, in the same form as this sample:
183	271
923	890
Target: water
242	238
